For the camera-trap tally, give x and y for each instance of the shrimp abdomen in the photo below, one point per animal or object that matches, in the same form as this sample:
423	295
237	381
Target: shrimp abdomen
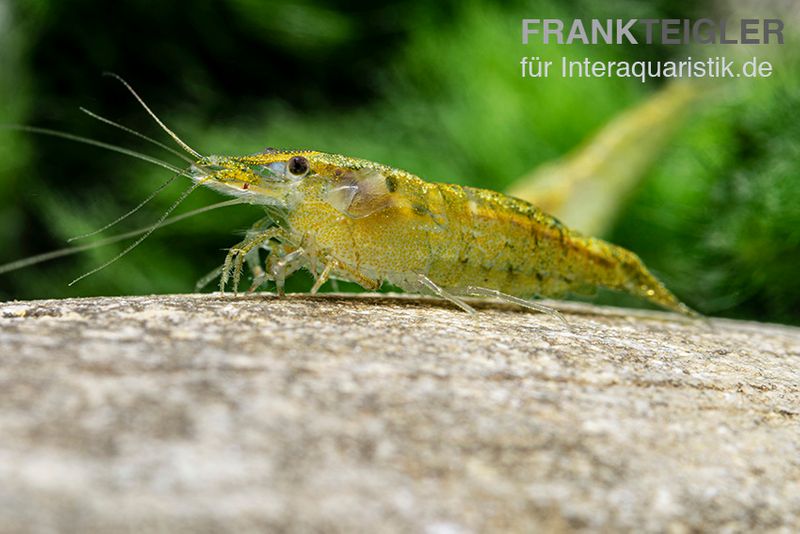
504	243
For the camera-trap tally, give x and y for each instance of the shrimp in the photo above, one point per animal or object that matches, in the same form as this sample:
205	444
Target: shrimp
364	222
344	218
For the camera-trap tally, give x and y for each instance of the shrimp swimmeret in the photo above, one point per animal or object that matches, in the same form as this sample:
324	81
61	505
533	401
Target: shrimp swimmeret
355	220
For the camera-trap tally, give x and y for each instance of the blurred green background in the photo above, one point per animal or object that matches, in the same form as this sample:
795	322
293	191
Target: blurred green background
431	87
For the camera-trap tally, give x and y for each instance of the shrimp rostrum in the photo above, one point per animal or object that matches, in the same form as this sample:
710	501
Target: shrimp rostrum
355	220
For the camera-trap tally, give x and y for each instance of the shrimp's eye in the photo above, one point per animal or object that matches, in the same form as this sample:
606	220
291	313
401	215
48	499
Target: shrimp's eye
297	167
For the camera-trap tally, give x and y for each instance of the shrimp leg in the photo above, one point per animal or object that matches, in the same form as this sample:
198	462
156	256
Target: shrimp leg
323	277
203	282
431	285
493	293
238	252
332	266
260	276
283	266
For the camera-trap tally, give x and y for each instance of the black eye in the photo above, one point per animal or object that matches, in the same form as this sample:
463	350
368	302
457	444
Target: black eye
297	166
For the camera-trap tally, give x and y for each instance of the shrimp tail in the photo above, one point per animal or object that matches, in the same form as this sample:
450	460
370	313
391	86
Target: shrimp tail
620	269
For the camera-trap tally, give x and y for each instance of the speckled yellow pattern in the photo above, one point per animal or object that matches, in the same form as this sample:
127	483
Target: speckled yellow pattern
378	223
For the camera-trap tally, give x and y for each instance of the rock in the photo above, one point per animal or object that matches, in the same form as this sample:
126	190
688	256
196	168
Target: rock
363	413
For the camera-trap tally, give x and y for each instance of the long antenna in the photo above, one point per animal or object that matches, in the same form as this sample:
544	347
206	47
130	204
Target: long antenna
136	243
68	251
137	134
94	142
130	212
177	139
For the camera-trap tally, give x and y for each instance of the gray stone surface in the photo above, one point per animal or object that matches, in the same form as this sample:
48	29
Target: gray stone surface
206	413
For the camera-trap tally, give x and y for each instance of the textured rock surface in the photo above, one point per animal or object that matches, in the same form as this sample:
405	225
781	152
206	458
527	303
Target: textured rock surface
344	414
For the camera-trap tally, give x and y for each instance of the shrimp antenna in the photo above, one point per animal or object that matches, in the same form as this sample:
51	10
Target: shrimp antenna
69	251
121	218
177	139
137	134
86	140
147	233
94	142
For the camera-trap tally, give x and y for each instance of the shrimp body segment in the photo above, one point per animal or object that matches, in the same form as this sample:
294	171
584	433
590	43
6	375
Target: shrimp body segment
365	222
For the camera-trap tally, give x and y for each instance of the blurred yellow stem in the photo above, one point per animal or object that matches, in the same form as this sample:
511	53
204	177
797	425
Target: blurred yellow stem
586	188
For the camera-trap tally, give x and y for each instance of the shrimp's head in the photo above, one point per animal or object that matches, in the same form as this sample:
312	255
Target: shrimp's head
270	178
354	187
